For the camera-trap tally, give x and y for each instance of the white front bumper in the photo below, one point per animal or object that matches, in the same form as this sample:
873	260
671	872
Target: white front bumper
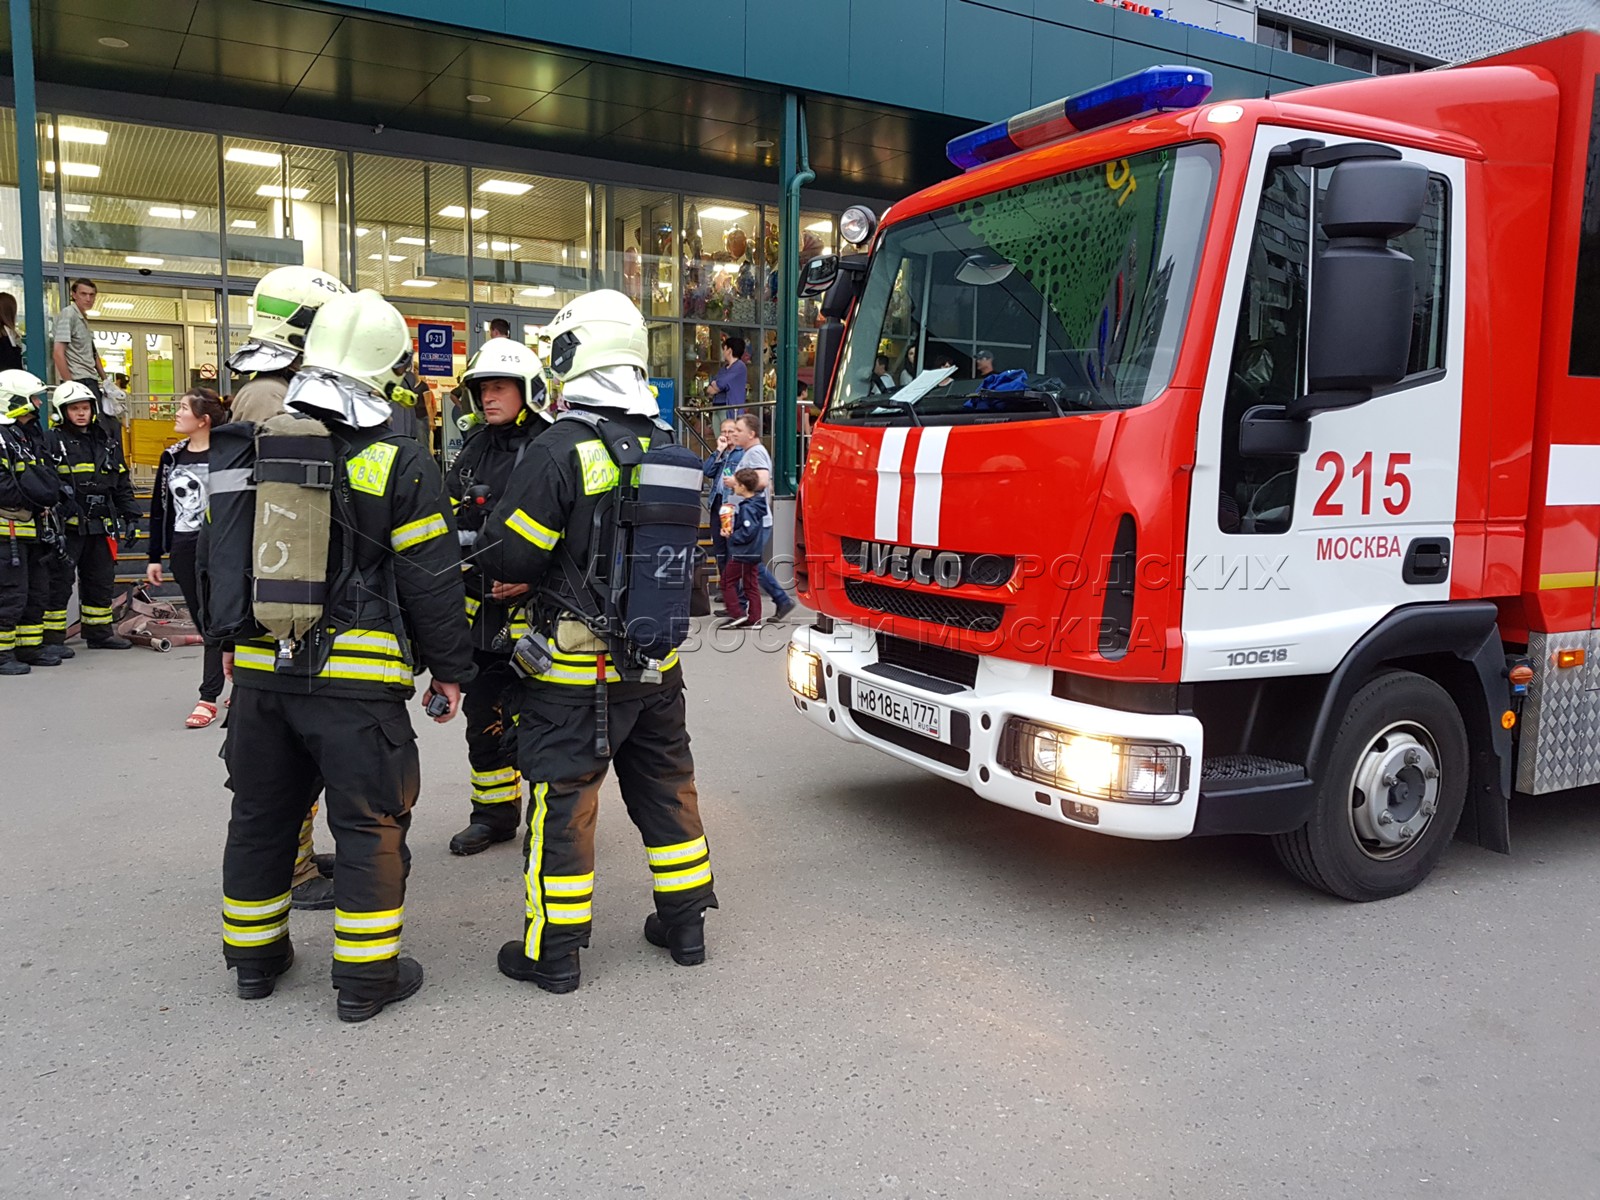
1007	689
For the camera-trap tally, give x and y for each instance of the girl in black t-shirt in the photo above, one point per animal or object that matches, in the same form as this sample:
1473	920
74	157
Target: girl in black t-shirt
177	510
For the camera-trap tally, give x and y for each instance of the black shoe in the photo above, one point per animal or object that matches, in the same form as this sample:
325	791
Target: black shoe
63	652
108	643
686	941
478	837
325	865
315	893
785	607
363	1008
10	666
256	980
38	656
558	975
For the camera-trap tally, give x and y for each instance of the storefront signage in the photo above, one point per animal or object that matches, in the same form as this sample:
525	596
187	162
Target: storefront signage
666	396
1165	14
435	344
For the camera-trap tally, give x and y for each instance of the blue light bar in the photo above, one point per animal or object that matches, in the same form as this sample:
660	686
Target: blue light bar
1155	89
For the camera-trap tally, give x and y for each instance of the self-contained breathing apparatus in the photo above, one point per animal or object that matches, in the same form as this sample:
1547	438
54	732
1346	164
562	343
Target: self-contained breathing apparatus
634	597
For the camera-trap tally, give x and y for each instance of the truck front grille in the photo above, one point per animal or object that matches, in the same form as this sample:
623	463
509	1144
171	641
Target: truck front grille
953	666
979	616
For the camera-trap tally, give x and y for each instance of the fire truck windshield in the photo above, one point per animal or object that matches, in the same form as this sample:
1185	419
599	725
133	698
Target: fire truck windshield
1067	294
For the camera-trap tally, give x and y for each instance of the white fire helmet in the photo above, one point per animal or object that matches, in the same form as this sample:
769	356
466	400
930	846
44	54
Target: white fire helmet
503	358
71	392
600	329
17	390
281	311
357	349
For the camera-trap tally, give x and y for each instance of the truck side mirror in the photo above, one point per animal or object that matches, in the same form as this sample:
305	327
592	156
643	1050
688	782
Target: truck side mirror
841	294
1361	289
817	276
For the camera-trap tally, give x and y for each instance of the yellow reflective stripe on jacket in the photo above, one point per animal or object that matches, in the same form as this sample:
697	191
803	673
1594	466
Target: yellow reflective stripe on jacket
577	676
541	536
473	605
368	655
414	533
369	470
18	529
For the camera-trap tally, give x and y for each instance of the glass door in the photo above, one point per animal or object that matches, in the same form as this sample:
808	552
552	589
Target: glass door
524	325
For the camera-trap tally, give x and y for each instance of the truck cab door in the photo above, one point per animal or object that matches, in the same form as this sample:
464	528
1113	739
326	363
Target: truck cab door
1291	559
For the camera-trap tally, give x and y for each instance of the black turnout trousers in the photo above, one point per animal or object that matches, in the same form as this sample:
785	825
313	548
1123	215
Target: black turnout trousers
89	560
655	772
487	705
281	747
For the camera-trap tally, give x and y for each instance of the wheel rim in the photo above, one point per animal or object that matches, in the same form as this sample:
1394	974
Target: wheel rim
1394	793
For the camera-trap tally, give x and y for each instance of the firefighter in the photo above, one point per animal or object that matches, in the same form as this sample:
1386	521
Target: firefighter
28	485
544	533
89	460
41	630
282	308
328	709
506	396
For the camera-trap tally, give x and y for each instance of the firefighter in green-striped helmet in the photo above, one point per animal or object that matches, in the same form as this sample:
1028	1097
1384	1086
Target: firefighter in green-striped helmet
281	311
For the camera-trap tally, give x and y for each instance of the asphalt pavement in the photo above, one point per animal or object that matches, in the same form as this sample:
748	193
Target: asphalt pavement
909	993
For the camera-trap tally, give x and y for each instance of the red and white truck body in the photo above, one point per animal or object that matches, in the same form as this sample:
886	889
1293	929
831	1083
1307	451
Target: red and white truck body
1192	560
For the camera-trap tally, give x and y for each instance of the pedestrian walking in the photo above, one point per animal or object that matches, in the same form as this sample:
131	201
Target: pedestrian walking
744	552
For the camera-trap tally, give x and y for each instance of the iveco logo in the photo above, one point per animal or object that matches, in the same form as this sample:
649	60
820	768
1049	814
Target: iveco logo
931	568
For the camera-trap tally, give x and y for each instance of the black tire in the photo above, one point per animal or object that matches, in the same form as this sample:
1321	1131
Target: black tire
1330	852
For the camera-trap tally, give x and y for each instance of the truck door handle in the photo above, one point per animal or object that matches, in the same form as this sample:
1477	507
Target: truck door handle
1427	560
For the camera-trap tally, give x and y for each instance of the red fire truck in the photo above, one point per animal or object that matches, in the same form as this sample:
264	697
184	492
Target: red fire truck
1198	468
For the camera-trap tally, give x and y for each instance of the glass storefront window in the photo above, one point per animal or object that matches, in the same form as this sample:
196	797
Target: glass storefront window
438	402
283	207
134	197
531	246
721	261
411	227
643	241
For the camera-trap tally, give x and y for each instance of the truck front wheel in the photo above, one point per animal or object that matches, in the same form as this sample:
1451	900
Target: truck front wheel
1390	796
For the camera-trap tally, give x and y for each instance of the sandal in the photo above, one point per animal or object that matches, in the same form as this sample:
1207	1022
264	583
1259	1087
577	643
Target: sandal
204	713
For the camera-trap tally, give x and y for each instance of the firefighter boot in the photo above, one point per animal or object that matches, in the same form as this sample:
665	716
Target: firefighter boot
354	1007
687	941
558	975
39	656
255	981
314	893
476	838
10	666
107	641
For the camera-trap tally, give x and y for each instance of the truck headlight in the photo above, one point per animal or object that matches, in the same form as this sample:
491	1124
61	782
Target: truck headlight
805	673
1094	765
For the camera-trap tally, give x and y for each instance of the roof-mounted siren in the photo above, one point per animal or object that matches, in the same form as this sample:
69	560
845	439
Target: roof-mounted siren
1153	90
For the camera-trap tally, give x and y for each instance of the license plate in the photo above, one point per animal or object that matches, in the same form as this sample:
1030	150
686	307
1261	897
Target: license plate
918	716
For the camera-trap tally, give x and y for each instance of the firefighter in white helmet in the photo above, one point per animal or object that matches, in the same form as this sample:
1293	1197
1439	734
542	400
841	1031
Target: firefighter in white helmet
588	706
282	309
29	486
329	710
509	406
89	459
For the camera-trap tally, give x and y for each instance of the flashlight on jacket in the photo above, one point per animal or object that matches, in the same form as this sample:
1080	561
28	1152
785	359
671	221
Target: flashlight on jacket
472	512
